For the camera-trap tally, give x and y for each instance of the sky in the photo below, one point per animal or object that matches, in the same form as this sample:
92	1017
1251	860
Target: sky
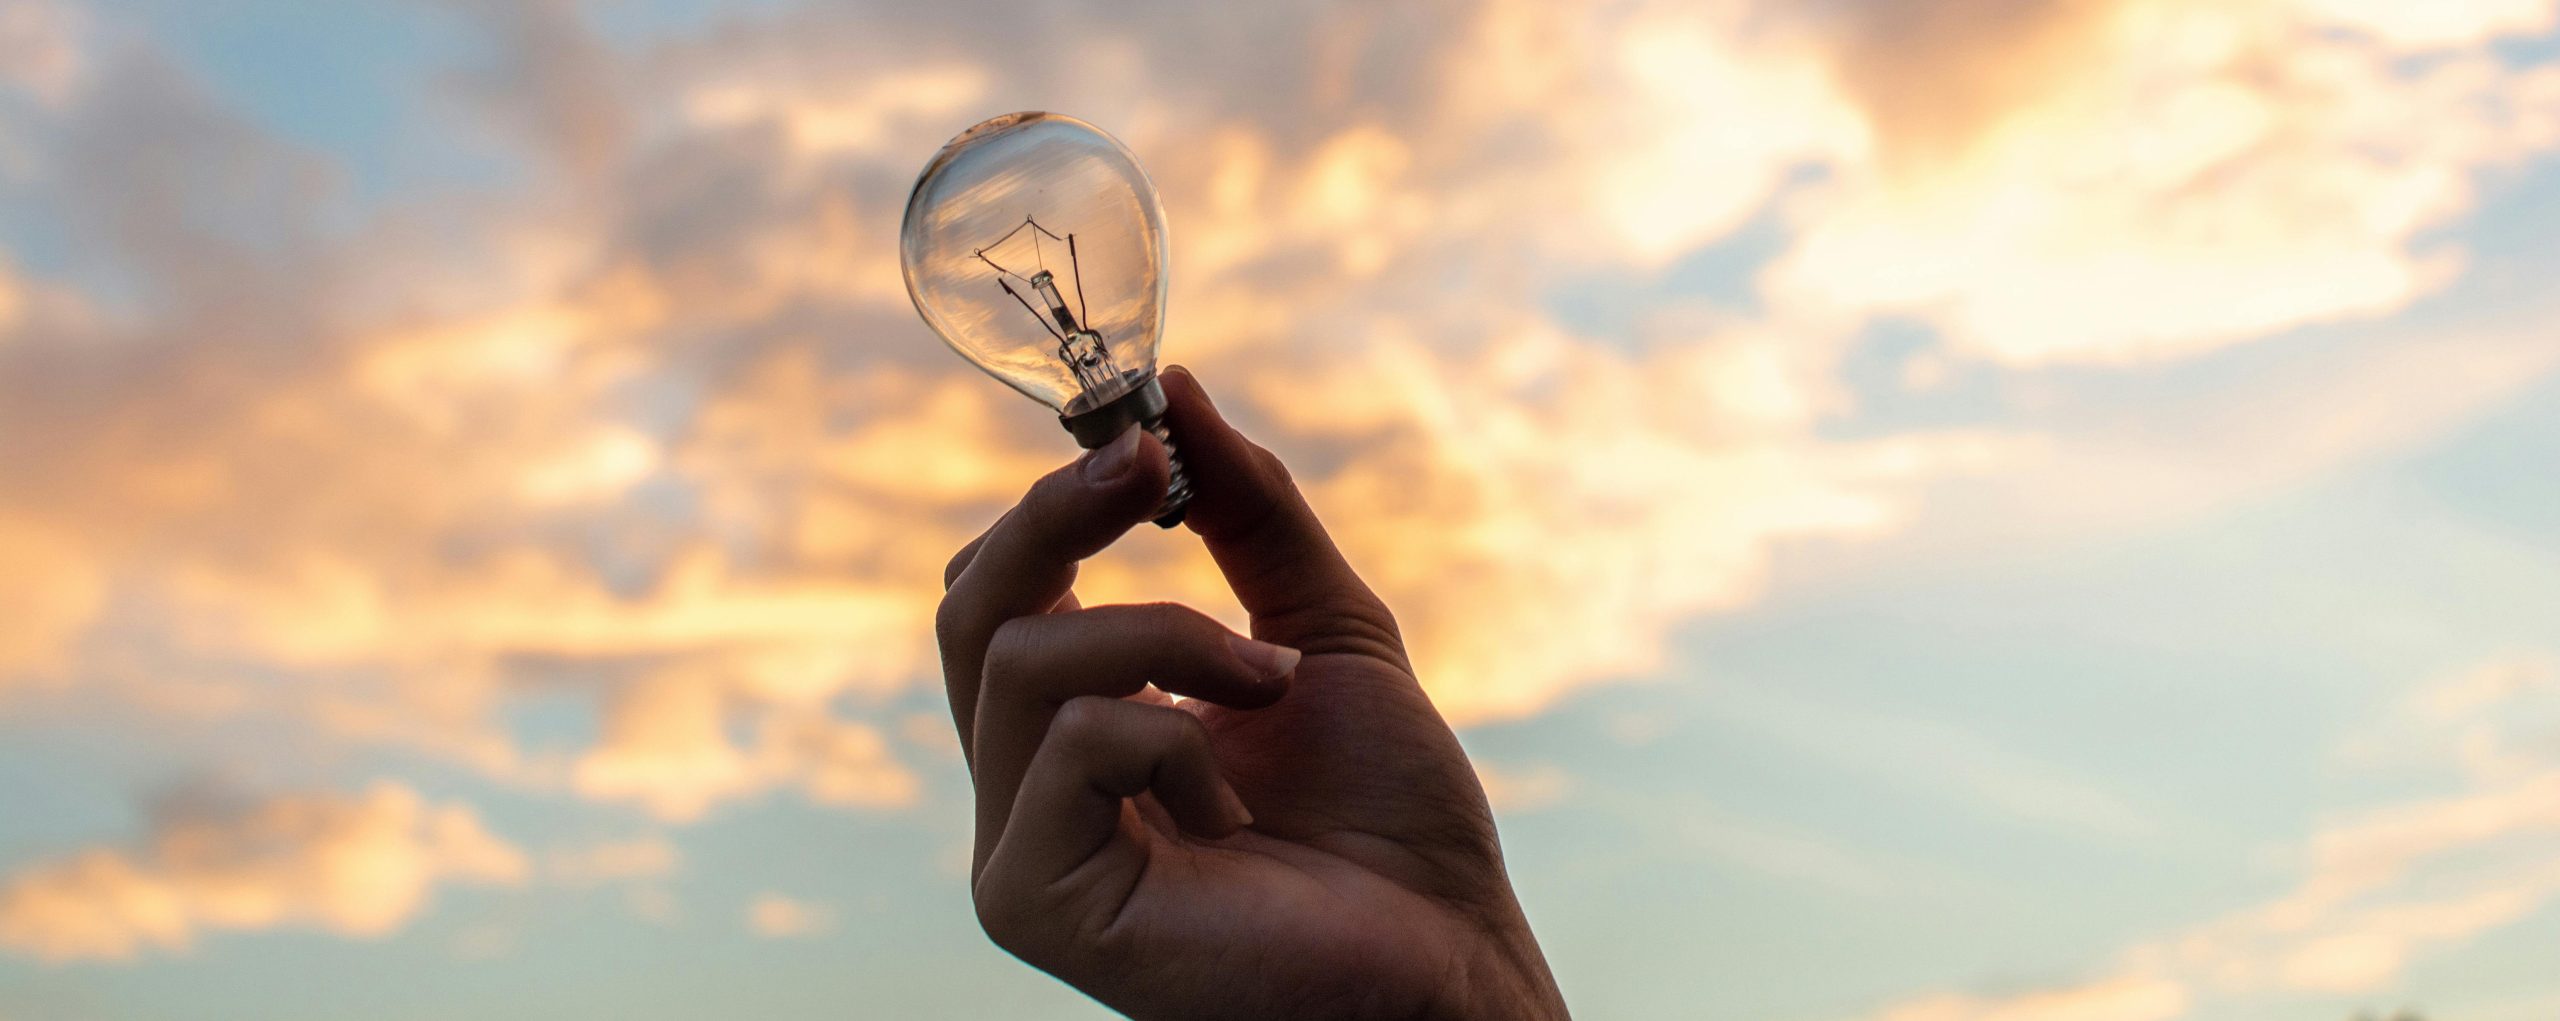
1995	510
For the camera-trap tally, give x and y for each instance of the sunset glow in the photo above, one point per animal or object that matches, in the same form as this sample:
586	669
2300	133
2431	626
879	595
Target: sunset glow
1974	511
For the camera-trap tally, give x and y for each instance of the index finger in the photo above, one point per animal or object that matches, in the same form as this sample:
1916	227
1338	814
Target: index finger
1026	563
1276	556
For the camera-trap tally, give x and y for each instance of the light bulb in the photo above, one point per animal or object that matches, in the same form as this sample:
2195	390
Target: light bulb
1034	245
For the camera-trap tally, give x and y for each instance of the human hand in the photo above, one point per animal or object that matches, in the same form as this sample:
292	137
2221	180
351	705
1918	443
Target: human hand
1302	837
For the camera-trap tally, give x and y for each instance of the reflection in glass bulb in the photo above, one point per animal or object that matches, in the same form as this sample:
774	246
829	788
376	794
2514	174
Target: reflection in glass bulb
1034	245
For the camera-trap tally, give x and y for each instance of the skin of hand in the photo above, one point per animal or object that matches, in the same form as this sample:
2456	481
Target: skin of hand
1302	837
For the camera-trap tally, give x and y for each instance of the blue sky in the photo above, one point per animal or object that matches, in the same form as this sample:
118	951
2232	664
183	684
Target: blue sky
2028	513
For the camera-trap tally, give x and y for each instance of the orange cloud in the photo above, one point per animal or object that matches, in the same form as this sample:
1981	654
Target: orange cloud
2115	999
667	747
13	299
774	916
844	763
48	596
1523	790
359	866
2144	179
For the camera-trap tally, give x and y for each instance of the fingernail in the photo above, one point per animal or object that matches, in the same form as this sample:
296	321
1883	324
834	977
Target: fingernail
1269	662
1235	808
1112	460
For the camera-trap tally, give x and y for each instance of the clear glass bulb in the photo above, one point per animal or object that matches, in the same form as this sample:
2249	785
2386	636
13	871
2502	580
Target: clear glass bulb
1034	245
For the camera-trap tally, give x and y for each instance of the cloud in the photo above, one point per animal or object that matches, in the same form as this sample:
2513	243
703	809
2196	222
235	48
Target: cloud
2499	714
774	916
358	865
2242	168
2115	999
51	594
2379	889
835	110
1961	766
483	483
1648	506
2380	848
551	83
13	299
1527	789
2366	950
2383	886
41	48
2423	26
2119	459
2468	693
667	747
841	763
611	861
1661	127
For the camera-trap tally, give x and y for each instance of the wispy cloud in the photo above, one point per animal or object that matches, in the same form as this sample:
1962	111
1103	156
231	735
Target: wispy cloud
610	861
774	916
1959	766
359	865
2378	890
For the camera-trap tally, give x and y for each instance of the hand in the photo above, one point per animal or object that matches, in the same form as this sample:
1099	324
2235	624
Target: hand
1303	837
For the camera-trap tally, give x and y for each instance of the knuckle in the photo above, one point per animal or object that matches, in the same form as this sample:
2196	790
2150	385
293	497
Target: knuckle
1081	719
1371	629
1178	619
968	552
999	914
1271	466
1189	735
1049	499
1381	619
1012	648
951	620
1172	622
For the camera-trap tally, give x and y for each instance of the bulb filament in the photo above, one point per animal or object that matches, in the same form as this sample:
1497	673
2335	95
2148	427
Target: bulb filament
1078	344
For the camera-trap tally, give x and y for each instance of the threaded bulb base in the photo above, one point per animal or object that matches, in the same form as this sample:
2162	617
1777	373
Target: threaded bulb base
1143	405
1177	490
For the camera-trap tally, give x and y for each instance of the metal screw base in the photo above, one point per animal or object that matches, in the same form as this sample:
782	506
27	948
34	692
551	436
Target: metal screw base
1142	406
1177	490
